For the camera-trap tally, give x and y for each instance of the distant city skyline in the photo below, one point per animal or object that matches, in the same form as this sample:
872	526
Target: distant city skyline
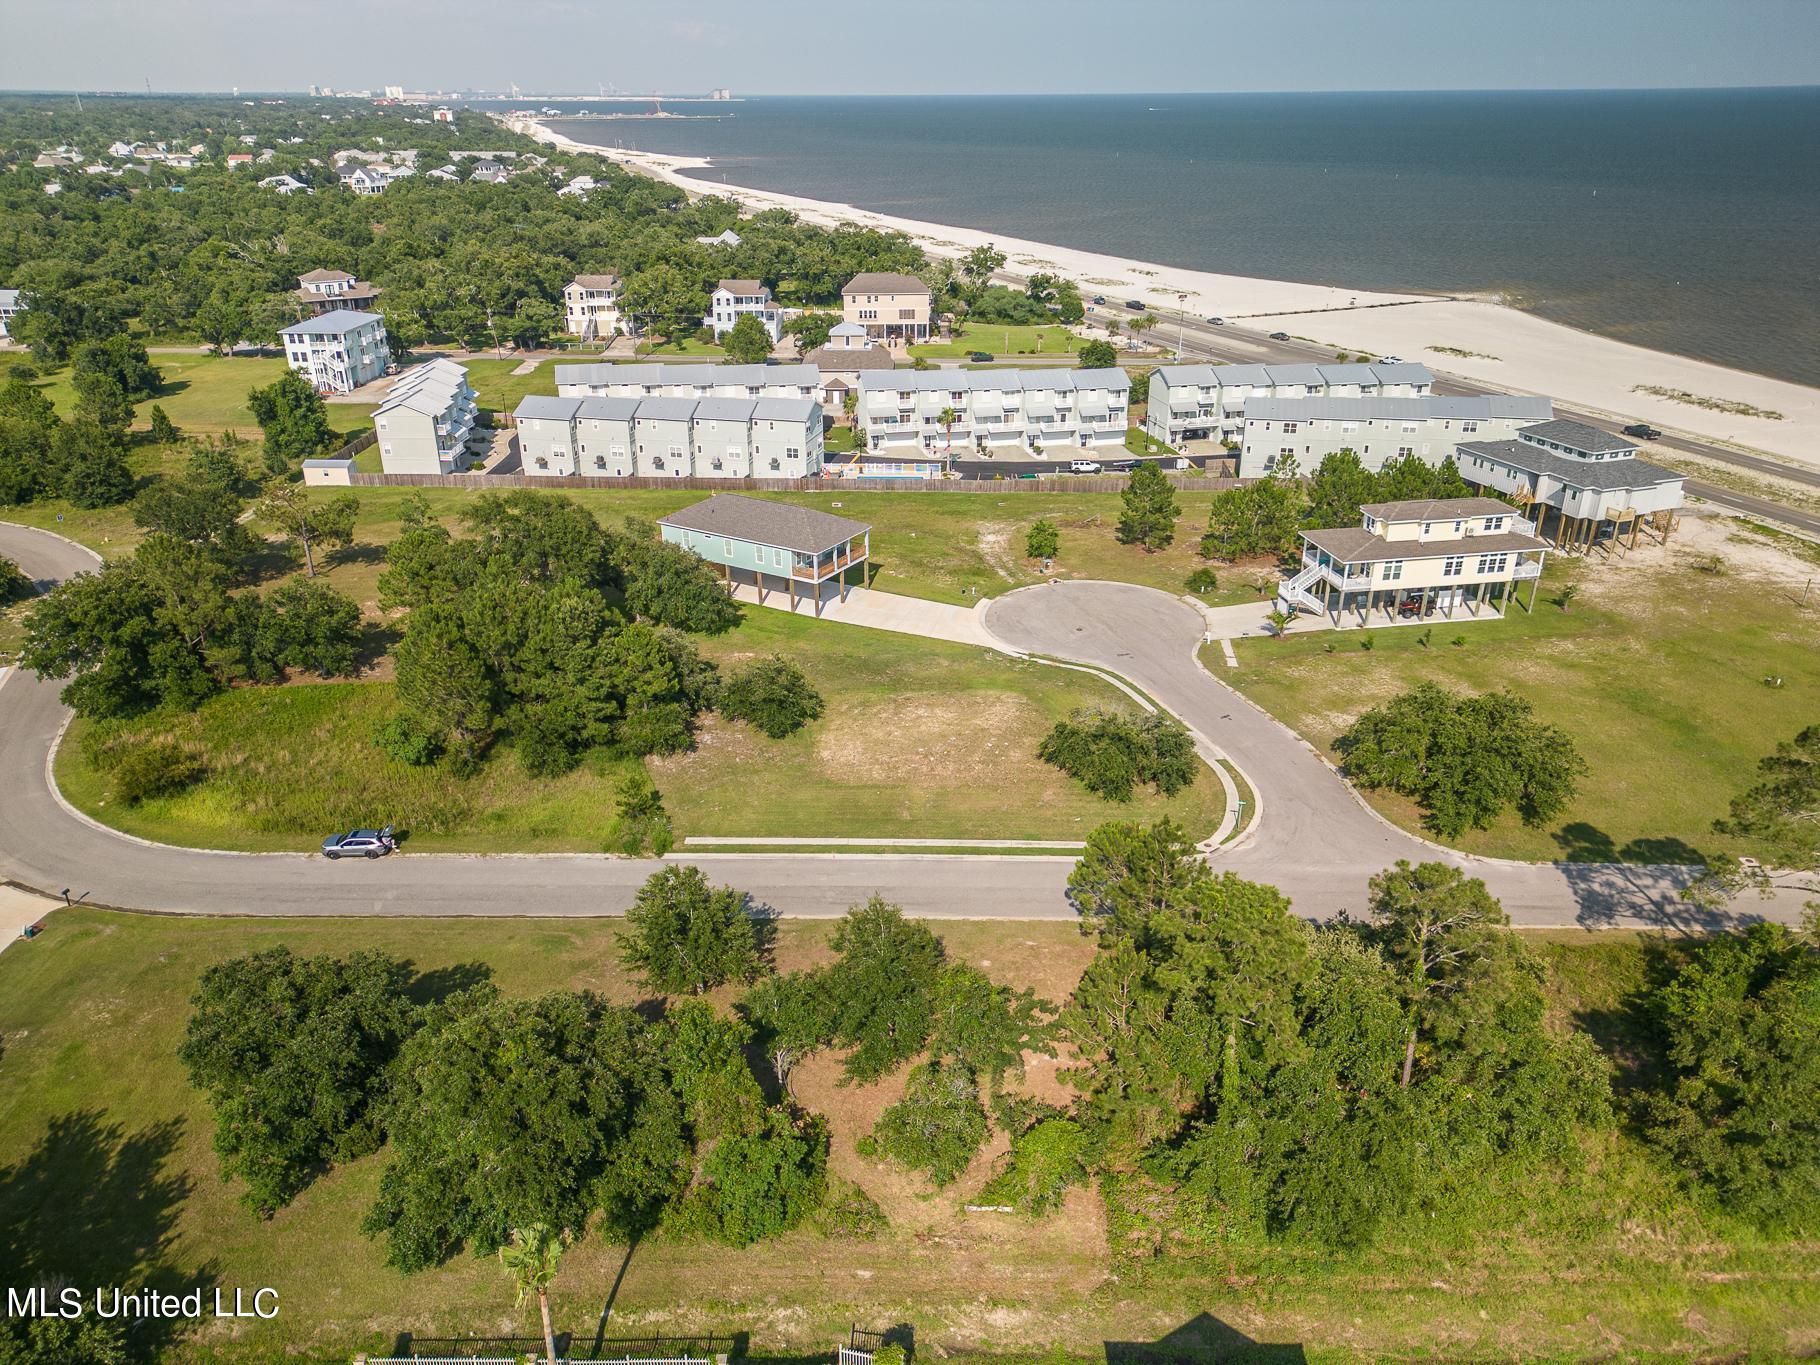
948	47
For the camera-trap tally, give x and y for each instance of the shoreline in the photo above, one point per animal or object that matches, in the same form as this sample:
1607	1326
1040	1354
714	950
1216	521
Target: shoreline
1509	349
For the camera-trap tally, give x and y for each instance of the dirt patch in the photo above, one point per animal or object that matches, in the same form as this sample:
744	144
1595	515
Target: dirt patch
995	549
926	739
1698	542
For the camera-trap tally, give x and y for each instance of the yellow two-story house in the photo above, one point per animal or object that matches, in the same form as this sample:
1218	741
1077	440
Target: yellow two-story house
894	309
1407	562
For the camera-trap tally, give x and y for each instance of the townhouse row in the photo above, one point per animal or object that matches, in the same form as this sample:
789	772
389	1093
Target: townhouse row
944	410
665	436
1208	402
1274	431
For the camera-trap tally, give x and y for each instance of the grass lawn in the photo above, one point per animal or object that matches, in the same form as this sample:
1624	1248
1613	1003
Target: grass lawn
107	1172
909	725
1656	673
680	346
500	389
948	547
1001	339
840	440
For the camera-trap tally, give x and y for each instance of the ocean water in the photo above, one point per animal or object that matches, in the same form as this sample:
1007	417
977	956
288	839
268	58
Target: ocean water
1688	221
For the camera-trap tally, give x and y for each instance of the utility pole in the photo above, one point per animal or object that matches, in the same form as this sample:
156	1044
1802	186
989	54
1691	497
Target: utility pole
1181	320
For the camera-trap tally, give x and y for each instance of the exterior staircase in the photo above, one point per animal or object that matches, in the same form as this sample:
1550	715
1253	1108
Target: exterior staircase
1294	594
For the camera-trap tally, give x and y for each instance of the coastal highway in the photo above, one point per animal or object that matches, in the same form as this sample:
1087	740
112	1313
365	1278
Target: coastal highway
1232	344
1311	837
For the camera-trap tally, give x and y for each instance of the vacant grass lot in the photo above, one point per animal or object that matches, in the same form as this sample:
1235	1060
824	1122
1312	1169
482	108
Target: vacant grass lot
1001	340
910	725
948	547
1656	670
106	1169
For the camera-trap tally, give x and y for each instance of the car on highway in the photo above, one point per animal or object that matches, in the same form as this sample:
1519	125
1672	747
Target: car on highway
1279	336
1099	298
1134	305
1124	466
980	357
1642	431
1217	322
1083	466
360	843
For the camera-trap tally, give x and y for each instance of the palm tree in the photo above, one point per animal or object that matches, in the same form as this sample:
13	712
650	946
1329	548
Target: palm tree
948	418
1280	621
530	1258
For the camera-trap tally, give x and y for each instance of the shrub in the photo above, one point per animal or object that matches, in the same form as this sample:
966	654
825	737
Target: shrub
405	739
644	825
1042	1163
15	586
772	695
1044	541
1110	754
755	1185
848	1211
1203	580
159	767
938	1126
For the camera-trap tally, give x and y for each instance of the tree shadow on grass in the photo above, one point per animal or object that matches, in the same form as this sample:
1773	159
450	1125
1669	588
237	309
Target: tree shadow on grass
94	1205
440	983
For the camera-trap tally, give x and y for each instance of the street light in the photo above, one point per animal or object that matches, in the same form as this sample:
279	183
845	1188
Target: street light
1181	320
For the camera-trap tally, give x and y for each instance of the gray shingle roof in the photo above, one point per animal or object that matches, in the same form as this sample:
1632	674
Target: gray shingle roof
724	409
1602	474
1356	545
783	410
546	405
884	282
666	409
1578	436
1521	407
332	323
1438	509
767	523
608	409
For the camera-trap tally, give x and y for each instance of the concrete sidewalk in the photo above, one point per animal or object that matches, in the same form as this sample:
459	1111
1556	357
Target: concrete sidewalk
18	908
883	611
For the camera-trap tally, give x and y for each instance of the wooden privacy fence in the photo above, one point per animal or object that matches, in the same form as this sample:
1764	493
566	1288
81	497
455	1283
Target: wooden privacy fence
1070	484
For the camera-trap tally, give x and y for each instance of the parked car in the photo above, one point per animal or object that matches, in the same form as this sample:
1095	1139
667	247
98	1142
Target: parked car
1217	322
1389	360
1279	336
980	357
360	843
1083	466
1134	305
1642	431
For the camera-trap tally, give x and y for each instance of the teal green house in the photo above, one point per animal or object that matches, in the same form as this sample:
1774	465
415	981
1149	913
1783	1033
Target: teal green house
773	545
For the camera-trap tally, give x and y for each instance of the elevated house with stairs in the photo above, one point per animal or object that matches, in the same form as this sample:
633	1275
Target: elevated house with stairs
1584	488
1410	562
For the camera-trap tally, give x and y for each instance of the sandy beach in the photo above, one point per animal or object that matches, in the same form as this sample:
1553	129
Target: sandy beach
1504	347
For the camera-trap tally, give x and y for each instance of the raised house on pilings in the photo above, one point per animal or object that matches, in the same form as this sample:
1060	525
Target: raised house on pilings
773	545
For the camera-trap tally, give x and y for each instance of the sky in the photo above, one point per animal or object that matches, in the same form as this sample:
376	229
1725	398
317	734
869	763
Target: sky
906	47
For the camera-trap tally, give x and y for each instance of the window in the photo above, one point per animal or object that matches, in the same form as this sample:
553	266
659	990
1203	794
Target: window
726	547
1289	428
778	558
1459	527
1409	426
792	453
1469	426
1403	451
1489	564
1371	522
1427	527
1494	523
1393	570
386	450
1453	566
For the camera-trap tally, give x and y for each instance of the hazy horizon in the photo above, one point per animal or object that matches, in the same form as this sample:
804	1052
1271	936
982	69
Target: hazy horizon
1010	47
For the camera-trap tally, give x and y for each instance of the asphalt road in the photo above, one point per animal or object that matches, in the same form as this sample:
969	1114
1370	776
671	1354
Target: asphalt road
1314	840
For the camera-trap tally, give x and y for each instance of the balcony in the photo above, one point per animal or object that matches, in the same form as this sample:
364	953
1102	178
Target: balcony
835	563
1528	569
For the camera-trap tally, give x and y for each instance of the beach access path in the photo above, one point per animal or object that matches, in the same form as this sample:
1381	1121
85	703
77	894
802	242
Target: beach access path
1509	351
